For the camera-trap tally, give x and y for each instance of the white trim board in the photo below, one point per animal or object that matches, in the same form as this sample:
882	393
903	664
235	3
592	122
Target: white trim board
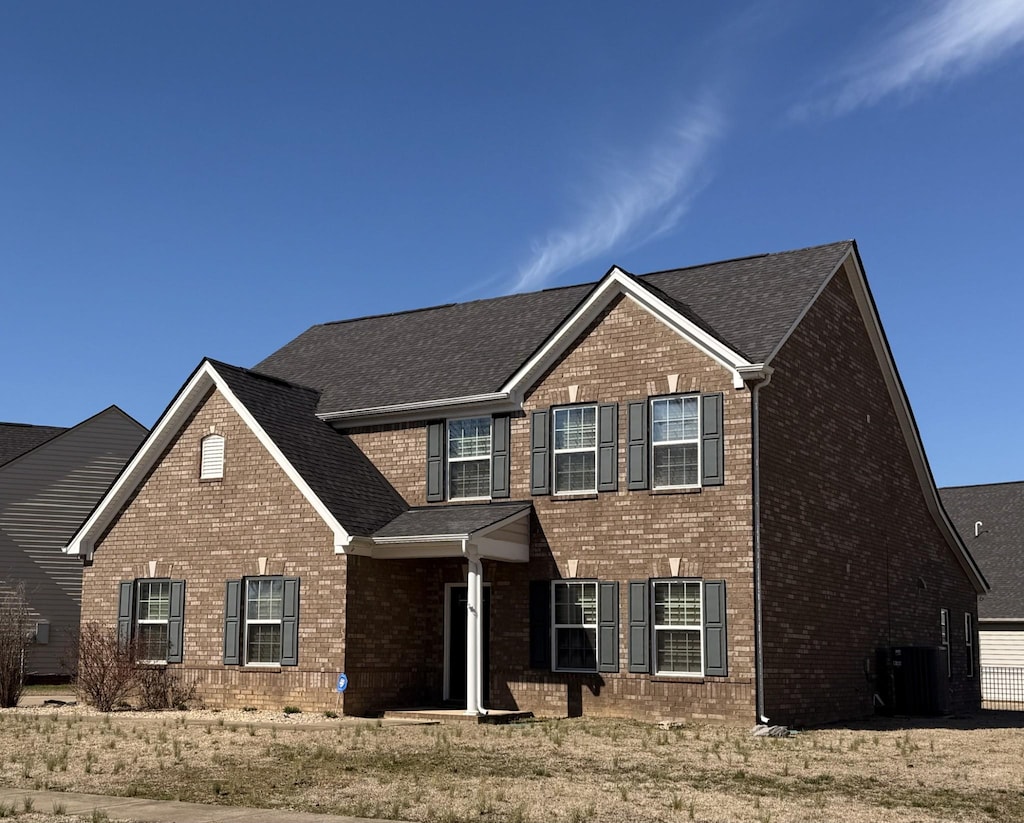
204	379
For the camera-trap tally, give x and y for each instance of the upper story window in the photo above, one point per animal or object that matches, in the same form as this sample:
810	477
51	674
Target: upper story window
212	458
469	458
575	449
675	441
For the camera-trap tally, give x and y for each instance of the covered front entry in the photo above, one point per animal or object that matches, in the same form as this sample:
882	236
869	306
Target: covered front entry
456	598
474	532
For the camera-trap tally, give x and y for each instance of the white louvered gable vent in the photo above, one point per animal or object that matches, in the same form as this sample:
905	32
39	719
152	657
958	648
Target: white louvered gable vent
212	464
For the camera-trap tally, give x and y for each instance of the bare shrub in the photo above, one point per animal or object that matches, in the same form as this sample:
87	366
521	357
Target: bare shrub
161	689
107	669
15	638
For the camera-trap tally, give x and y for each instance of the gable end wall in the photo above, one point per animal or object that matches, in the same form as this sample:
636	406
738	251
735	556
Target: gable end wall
851	557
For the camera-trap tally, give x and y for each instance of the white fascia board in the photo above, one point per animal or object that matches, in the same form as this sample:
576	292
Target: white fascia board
908	426
205	377
414	411
421	538
616	282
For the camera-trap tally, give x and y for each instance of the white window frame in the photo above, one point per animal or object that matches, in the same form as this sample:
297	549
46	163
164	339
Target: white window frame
555	451
944	637
698	627
555	626
279	622
677	442
475	458
150	621
969	642
211	465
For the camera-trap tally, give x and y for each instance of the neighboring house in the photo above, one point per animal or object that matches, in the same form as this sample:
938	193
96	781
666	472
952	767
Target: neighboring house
990	519
50	480
697	493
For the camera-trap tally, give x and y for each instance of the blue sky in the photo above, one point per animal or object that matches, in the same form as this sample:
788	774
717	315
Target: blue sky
180	180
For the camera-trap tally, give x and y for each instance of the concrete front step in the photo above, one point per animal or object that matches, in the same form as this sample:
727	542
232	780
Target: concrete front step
444	715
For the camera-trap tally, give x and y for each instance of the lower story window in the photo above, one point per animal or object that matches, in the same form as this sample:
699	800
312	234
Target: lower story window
264	602
153	615
969	642
678	646
261	621
575	625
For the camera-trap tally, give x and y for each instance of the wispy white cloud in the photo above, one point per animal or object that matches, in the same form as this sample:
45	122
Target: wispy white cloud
954	38
632	203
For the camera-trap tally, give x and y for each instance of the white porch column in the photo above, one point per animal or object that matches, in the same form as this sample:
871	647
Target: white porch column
473	632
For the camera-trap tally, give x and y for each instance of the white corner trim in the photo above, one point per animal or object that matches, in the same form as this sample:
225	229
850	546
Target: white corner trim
614	283
188	399
905	418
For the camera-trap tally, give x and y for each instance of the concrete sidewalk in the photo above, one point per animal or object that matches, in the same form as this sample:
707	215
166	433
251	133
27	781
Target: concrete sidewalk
159	811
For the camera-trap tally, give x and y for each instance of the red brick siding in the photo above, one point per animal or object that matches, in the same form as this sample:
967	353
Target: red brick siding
846	535
212	531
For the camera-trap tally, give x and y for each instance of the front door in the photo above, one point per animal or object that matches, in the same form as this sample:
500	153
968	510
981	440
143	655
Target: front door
455	643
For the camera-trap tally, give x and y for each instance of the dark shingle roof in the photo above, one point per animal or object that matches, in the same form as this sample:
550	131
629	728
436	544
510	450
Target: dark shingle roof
999	546
456	520
17	439
465	349
335	468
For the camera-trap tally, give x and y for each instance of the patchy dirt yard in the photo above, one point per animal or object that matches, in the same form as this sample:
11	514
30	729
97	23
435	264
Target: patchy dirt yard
566	770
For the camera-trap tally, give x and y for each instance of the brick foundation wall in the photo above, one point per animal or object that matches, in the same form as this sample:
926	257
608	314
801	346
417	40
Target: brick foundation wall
852	559
208	532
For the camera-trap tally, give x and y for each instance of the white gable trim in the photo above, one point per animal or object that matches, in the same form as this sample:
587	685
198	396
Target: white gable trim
614	283
166	430
901	405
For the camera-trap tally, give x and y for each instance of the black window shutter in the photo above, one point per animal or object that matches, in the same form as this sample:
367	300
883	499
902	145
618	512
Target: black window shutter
540	624
712	444
499	456
435	462
232	622
125	598
608	447
639	631
608	626
176	622
716	663
540	465
636	456
290	623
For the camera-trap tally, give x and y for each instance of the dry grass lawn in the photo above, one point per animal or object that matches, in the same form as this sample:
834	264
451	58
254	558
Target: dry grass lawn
564	770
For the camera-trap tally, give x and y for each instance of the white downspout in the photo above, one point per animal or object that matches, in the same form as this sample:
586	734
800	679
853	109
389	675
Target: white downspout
472	630
756	507
480	638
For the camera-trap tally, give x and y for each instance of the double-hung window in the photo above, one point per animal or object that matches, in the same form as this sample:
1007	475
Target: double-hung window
944	637
469	458
264	602
153	612
575	449
675	441
574	640
151	618
969	642
678	646
261	621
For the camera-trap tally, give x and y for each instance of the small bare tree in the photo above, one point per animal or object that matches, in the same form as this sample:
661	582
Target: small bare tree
107	671
15	638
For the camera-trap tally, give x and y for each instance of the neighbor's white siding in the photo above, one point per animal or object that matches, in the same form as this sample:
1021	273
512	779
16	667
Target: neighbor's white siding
1001	647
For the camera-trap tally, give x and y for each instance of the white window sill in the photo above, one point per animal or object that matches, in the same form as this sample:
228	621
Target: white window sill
469	499
588	495
669	677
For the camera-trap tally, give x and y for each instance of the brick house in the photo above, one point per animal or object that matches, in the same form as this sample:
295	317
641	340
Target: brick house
697	493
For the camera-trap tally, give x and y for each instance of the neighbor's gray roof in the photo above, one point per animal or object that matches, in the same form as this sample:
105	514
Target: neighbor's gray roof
335	468
466	349
999	546
17	439
456	519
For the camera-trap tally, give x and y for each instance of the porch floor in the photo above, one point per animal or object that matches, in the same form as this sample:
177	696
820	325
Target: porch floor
441	714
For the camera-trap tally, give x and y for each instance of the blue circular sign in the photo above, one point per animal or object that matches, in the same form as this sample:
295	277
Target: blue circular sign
342	682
